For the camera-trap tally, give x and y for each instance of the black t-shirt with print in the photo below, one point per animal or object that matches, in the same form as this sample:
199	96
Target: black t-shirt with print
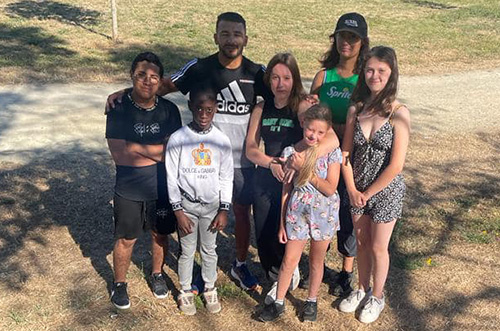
145	127
279	128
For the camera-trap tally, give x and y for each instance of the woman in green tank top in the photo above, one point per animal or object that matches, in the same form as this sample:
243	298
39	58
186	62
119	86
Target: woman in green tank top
334	85
336	80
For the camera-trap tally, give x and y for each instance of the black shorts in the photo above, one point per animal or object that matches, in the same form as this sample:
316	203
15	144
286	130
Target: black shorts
132	218
243	185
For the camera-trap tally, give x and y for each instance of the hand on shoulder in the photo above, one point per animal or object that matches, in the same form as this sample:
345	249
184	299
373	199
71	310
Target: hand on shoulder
401	118
401	113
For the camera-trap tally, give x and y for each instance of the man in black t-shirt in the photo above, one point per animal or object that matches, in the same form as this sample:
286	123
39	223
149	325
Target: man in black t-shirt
238	81
136	133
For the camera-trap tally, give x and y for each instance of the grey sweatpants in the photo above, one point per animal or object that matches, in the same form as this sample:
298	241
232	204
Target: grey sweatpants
202	216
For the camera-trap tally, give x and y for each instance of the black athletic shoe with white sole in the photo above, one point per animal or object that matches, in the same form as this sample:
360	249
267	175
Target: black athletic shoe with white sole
159	286
119	296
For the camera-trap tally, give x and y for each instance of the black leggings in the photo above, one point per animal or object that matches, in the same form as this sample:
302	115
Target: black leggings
346	236
266	213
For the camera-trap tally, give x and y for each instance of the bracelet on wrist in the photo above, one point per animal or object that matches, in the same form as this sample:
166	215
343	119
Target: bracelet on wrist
224	206
176	206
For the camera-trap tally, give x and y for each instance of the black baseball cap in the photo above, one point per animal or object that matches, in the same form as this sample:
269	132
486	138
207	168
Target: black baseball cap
352	22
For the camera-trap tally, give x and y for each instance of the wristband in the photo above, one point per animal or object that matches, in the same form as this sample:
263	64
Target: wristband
176	206
224	206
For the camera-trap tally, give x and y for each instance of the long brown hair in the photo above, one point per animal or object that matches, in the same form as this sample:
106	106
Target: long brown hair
382	103
320	113
297	93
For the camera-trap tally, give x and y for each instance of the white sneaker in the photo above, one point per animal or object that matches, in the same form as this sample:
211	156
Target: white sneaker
185	300
271	295
212	301
372	309
355	300
295	279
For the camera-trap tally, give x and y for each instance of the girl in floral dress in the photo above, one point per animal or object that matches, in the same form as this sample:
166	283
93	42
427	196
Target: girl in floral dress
310	207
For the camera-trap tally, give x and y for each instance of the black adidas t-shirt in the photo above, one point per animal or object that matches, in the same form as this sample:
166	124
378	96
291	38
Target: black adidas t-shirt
279	128
130	123
237	91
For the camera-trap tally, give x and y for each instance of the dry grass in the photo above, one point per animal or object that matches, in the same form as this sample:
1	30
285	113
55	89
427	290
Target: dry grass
56	232
59	41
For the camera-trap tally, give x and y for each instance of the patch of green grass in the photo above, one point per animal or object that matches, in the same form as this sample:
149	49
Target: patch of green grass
408	262
230	290
198	301
56	41
478	237
17	316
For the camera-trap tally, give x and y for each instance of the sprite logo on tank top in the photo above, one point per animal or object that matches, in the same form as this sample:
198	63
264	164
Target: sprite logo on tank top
343	94
336	92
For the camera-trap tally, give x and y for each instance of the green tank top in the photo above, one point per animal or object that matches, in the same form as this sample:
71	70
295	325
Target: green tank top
336	93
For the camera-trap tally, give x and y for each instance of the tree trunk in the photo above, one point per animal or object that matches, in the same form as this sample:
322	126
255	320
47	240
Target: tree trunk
115	21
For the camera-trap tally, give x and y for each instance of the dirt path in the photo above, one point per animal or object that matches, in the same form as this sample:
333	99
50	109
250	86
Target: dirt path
55	117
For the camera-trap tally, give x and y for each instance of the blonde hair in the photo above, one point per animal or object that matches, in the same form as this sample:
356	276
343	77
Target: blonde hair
308	170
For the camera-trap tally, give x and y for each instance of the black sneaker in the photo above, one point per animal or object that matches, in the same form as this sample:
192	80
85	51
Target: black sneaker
304	283
272	312
159	286
343	284
310	312
119	296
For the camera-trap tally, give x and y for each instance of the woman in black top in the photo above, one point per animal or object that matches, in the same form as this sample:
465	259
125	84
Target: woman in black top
276	123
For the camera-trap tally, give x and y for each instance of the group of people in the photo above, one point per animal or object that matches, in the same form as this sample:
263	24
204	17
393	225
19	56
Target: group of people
331	164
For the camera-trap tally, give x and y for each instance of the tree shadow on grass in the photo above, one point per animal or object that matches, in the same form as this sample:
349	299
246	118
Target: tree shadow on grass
481	186
28	44
38	56
70	189
58	11
34	50
430	4
172	57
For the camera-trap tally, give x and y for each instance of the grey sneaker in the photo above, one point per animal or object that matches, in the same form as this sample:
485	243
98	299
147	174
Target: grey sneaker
271	295
354	301
310	311
185	300
372	309
271	312
212	301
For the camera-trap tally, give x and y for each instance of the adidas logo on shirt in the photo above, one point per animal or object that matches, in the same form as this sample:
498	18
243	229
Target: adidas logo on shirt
232	100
